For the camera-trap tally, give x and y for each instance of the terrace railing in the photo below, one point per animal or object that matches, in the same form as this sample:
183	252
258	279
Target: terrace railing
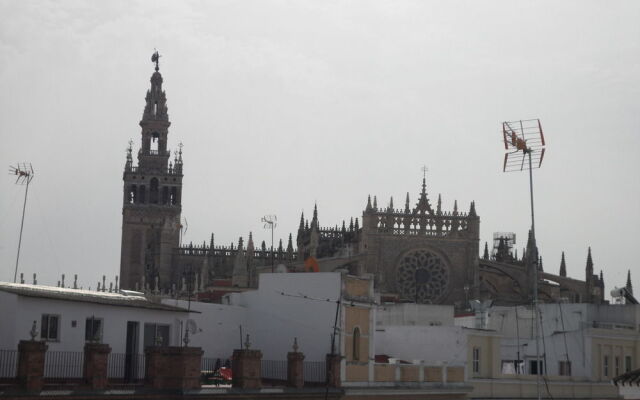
8	363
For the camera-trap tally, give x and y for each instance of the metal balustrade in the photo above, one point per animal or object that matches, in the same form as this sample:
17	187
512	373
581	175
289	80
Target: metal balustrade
8	363
63	364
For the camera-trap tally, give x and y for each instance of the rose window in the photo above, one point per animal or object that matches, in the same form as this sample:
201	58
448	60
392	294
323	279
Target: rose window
422	277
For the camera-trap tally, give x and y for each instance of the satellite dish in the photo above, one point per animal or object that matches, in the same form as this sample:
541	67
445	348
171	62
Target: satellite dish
192	327
617	292
282	269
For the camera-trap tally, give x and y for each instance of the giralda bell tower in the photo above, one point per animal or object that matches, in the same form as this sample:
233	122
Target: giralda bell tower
152	198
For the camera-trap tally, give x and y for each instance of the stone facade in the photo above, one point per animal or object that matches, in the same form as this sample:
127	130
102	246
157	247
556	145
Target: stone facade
417	253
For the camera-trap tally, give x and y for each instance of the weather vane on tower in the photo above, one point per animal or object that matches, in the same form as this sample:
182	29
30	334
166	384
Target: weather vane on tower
155	58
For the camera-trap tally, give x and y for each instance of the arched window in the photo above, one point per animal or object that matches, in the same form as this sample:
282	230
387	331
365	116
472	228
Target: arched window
356	344
155	141
132	193
153	192
165	195
142	194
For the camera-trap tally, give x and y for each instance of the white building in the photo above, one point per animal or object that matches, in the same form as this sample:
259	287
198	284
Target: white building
67	318
284	307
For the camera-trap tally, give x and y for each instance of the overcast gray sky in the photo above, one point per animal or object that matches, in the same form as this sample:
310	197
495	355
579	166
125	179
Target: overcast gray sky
281	104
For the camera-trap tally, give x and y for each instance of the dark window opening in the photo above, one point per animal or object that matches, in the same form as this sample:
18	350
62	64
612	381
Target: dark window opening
142	194
49	327
536	368
156	335
165	195
153	191
93	330
356	344
564	368
174	196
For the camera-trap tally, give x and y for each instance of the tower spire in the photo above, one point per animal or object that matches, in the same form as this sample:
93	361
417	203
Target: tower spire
423	206
563	266
589	266
314	221
406	205
629	286
485	256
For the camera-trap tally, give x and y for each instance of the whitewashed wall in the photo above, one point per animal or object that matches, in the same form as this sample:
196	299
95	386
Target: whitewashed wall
271	318
433	344
19	312
218	325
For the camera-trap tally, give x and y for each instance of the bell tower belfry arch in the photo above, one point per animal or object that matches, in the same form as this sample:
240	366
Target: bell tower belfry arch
152	198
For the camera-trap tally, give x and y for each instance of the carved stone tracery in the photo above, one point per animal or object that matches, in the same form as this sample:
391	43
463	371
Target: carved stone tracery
422	276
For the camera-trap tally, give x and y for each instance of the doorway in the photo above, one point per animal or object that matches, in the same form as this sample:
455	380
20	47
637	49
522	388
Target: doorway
131	358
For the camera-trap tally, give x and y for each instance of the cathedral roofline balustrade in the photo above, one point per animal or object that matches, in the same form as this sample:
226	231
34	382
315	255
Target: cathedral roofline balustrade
221	251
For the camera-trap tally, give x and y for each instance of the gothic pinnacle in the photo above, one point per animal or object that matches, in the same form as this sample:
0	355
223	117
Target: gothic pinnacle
589	267
472	209
455	207
375	203
563	266
629	286
485	256
406	204
368	208
439	207
391	204
290	243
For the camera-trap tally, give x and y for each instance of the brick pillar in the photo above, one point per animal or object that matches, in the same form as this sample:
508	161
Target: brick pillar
247	369
173	367
31	364
295	369
333	370
94	371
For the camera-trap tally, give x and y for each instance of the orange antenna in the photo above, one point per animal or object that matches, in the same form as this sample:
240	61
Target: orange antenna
524	141
522	138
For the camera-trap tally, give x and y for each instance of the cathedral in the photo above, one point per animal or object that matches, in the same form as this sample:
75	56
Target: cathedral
417	253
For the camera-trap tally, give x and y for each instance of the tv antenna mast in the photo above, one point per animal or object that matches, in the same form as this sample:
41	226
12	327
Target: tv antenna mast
524	141
270	222
24	173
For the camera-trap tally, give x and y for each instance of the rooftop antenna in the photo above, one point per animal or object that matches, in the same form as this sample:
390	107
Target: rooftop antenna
24	174
270	222
524	140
